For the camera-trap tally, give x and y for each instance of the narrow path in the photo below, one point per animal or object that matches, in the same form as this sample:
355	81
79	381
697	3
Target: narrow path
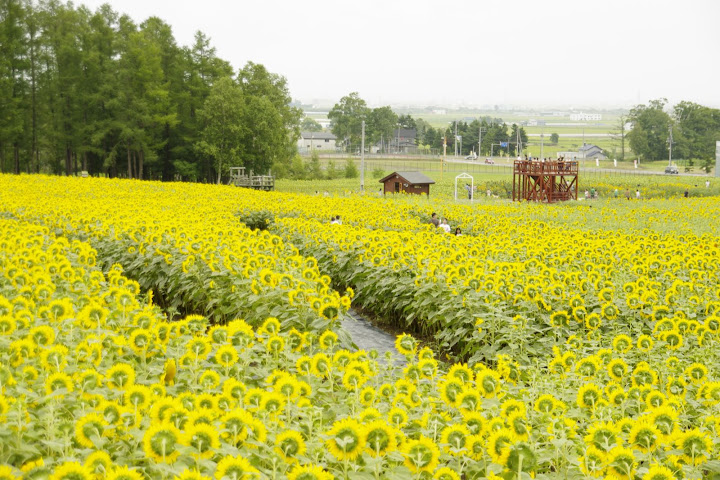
368	337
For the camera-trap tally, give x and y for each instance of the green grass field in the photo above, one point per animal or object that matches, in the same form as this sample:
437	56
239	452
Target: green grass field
498	178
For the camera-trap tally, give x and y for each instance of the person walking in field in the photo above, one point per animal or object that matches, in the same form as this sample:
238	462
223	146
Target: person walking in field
445	225
434	220
637	194
627	193
469	191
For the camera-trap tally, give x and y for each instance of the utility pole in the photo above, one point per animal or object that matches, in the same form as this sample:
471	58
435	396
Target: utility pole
670	141
362	158
442	160
480	132
455	141
622	137
542	142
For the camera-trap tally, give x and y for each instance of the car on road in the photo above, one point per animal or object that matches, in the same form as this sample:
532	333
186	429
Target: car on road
671	170
472	156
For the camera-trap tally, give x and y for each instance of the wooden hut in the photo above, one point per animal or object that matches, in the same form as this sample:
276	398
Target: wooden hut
408	182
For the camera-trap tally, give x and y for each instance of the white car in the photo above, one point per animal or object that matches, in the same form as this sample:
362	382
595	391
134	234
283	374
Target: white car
472	156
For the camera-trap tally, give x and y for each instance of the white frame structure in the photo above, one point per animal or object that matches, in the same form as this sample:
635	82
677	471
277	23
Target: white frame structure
472	185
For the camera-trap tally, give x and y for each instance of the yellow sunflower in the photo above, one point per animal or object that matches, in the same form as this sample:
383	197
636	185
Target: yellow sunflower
346	439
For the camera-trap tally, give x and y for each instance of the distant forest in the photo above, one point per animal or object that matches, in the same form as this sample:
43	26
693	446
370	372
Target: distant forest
93	91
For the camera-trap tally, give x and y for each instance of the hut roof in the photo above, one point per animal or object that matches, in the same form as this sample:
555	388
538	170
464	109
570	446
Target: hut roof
415	178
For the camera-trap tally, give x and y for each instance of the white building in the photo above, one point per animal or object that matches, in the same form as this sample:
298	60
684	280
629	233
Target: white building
581	117
320	141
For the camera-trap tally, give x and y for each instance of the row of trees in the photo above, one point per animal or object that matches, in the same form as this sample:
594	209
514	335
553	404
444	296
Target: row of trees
84	90
348	114
695	129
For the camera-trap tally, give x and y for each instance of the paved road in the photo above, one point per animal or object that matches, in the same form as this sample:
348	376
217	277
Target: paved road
368	337
574	135
502	163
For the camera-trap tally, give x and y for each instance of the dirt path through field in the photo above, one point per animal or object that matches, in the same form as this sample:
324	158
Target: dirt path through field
367	337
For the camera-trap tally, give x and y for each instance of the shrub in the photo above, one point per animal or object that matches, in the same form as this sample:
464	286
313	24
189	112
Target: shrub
256	220
351	170
378	172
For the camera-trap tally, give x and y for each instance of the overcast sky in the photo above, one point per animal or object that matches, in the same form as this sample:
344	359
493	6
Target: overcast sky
522	52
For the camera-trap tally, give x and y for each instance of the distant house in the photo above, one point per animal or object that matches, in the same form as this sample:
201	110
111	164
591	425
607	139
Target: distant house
591	151
403	141
408	182
320	141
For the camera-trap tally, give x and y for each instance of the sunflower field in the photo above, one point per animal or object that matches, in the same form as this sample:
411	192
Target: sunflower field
147	332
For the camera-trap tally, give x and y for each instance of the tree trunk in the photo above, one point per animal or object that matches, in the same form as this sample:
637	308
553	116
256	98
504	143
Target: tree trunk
34	149
16	153
68	160
129	162
167	166
141	160
84	162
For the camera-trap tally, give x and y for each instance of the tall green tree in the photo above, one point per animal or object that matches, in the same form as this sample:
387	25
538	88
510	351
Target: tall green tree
13	84
165	111
698	128
222	117
202	68
64	90
309	124
145	98
648	137
380	124
271	123
421	126
102	103
407	121
347	116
